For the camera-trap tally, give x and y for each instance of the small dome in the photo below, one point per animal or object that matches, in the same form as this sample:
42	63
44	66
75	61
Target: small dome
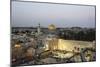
51	27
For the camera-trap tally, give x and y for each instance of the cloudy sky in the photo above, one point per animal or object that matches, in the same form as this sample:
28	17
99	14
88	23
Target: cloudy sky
28	14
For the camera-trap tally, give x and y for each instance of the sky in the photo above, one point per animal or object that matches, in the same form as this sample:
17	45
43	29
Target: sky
30	14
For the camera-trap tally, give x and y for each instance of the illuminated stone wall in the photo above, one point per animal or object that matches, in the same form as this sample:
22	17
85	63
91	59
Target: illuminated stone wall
68	45
51	44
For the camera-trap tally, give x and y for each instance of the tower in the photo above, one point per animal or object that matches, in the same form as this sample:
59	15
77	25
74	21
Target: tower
38	29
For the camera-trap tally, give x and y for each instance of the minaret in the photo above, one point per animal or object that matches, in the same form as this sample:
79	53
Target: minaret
38	29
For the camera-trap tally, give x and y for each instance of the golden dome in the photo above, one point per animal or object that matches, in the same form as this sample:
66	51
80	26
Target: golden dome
51	27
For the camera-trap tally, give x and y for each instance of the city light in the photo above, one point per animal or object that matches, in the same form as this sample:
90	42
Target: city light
17	46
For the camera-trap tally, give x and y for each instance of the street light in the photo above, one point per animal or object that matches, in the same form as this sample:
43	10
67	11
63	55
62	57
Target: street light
17	46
